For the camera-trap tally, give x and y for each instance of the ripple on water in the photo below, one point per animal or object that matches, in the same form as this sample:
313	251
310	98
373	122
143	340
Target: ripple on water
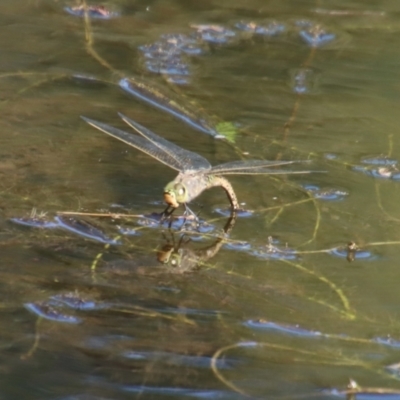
85	229
395	176
314	35
183	392
187	223
35	222
76	226
189	45
46	311
271	251
74	301
360	394
241	213
379	167
264	28
177	359
191	311
160	51
379	161
326	194
331	156
96	12
239	246
128	231
294	330
51	308
303	80
275	254
215	34
389	172
387	341
106	342
143	92
167	56
357	254
168	67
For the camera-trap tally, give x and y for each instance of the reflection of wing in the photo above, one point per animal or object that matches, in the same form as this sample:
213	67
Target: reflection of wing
138	142
188	161
254	167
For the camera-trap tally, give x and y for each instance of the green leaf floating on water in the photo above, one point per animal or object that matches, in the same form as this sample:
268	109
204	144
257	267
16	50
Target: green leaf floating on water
227	129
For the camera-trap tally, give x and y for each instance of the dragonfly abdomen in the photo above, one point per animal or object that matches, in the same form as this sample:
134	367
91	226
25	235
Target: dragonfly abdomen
197	183
216	180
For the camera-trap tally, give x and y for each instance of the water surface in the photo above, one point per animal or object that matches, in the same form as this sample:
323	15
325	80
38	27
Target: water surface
301	297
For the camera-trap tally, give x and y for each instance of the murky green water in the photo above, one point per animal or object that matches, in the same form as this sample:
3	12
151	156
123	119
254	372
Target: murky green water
275	309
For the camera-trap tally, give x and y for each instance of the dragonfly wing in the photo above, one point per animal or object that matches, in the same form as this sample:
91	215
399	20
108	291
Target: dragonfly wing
251	167
136	141
262	171
188	160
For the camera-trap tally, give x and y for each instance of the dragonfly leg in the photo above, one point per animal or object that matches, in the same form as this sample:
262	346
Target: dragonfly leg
190	214
167	213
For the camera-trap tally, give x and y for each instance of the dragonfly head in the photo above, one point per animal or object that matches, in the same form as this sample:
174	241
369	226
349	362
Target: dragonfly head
175	193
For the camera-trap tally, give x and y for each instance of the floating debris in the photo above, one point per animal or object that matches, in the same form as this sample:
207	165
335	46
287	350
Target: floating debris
96	12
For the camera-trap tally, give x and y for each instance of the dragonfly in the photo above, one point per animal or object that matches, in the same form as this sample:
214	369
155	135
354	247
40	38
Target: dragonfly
195	173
